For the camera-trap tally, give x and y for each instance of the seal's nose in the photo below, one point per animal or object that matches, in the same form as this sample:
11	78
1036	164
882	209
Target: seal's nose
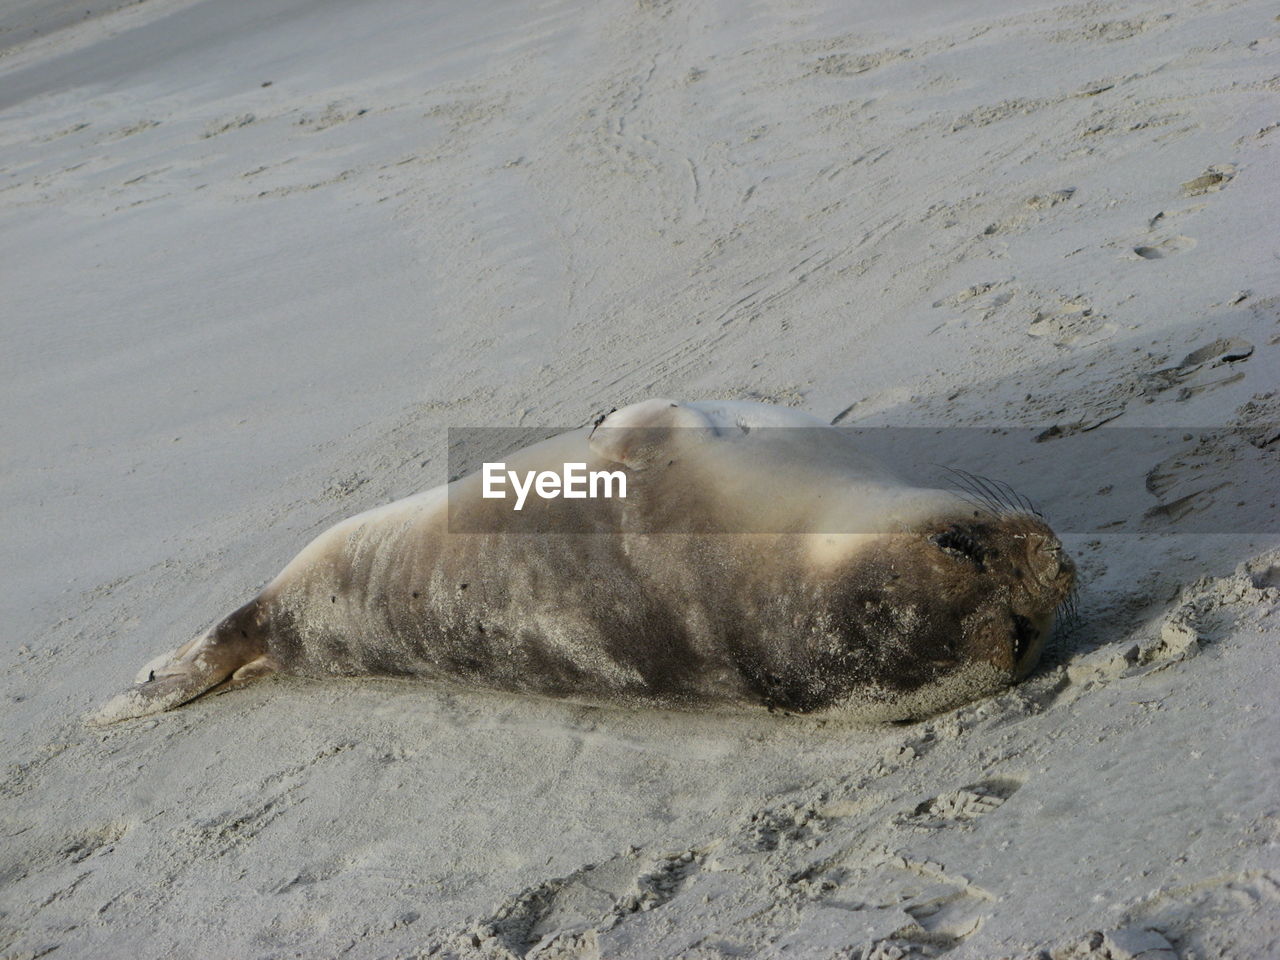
1050	564
1045	556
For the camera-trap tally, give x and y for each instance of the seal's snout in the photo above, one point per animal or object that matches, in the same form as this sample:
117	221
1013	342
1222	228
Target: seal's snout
1049	563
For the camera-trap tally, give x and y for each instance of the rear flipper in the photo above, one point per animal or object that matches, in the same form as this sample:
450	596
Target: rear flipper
230	651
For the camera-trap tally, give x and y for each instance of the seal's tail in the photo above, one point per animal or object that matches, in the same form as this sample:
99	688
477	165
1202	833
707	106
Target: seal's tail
231	652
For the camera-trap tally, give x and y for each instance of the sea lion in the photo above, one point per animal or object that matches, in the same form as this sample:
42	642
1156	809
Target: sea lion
757	558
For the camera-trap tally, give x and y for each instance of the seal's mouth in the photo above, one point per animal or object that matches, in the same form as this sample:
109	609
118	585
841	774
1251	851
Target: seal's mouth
1025	637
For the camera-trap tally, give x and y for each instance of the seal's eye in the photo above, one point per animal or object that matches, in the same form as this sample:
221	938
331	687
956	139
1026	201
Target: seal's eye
959	544
1024	634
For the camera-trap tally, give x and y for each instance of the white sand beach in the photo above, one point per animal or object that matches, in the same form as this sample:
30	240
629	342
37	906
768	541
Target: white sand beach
256	259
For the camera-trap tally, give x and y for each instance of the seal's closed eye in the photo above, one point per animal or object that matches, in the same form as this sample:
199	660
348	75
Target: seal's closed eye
959	544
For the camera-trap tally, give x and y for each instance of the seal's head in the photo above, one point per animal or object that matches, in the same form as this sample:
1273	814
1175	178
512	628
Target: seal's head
953	608
1018	573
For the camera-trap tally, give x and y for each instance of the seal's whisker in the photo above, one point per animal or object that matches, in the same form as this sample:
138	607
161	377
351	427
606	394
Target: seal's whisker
1031	504
979	486
1068	612
1001	492
991	493
1008	493
964	481
998	494
1021	501
964	486
973	501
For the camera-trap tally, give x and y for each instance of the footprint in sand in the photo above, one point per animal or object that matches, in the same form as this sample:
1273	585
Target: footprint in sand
1168	247
567	916
961	806
1211	181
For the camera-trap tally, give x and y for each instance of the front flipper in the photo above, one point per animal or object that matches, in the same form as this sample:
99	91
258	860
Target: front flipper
233	649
